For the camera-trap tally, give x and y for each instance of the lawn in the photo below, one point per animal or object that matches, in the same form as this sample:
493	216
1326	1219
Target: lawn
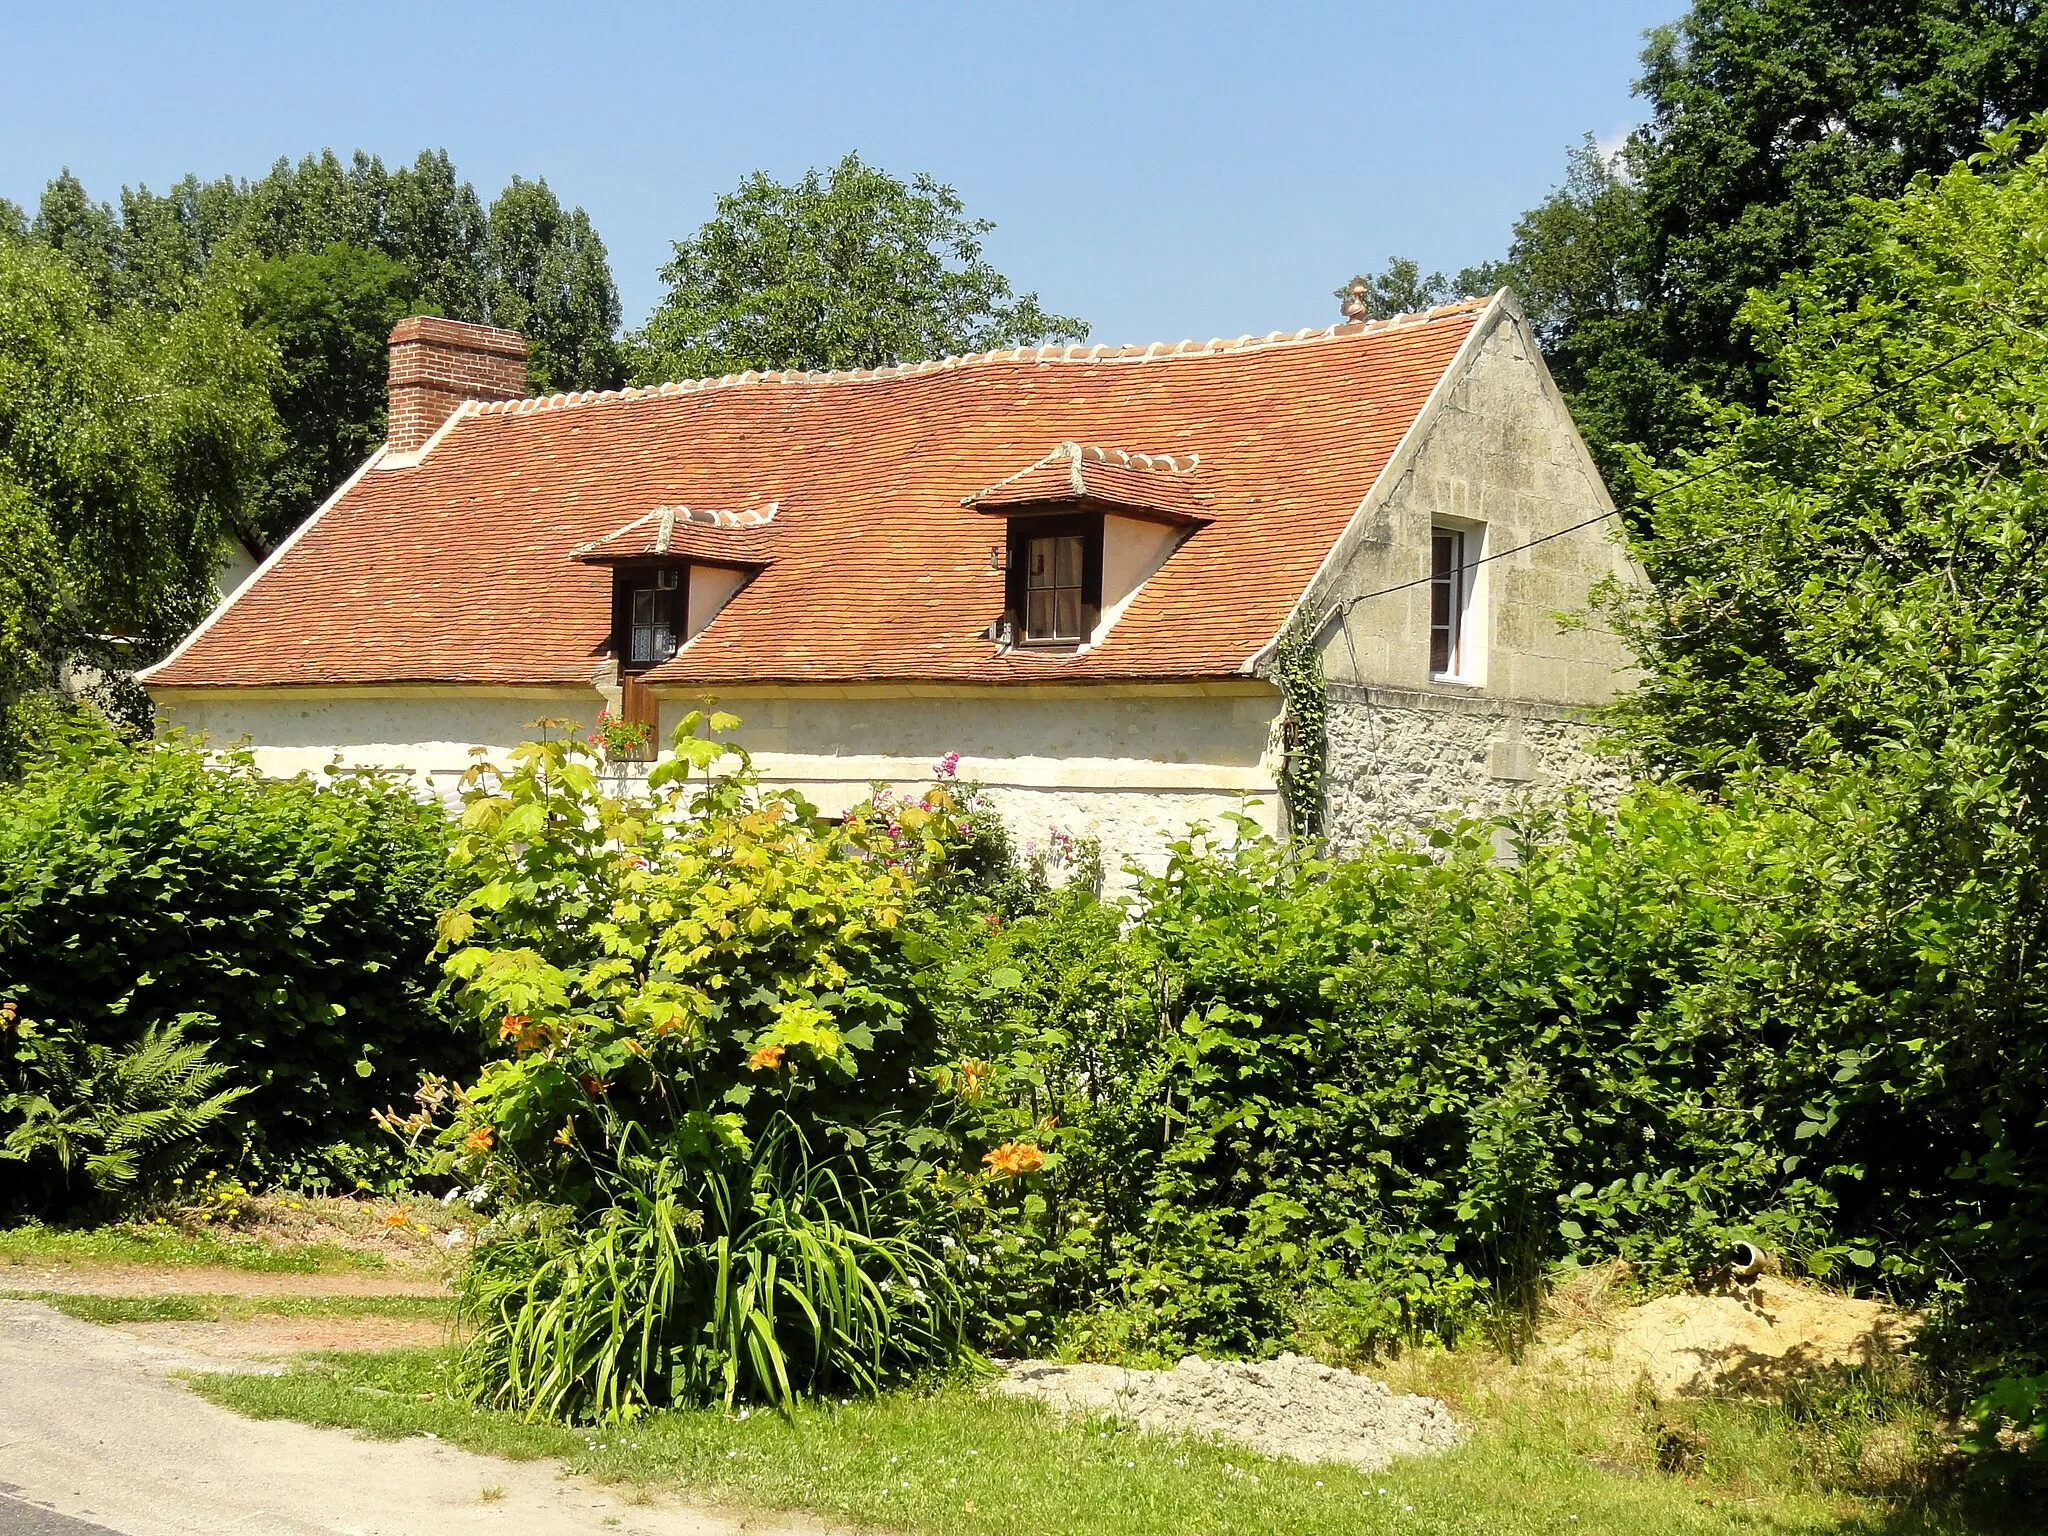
201	1308
165	1245
953	1463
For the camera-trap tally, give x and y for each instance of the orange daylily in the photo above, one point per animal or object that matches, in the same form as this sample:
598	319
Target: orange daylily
765	1059
1014	1159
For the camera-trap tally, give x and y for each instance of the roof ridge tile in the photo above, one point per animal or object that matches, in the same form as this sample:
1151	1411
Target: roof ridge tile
1048	353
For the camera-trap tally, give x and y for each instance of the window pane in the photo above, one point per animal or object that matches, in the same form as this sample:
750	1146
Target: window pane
1038	615
663	642
1446	595
643	605
643	643
1067	613
1068	564
1041	563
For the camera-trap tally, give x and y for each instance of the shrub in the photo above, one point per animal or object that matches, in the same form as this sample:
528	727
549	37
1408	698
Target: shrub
710	1081
141	883
1381	1097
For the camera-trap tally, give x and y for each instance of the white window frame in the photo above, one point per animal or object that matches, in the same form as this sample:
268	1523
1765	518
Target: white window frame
1466	586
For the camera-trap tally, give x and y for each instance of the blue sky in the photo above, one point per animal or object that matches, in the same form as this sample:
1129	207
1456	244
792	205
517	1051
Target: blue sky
1160	170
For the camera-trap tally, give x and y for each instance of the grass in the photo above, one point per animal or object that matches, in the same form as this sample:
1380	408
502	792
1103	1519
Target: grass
137	1244
219	1309
951	1463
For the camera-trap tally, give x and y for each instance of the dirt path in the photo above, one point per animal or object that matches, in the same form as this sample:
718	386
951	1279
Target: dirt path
92	1429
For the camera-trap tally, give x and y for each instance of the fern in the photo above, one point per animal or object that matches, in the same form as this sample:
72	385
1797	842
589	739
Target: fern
117	1125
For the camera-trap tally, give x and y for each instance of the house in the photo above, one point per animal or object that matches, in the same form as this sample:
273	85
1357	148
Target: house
1070	565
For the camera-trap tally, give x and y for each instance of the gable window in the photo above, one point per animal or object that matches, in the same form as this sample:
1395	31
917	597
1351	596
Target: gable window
648	614
1448	583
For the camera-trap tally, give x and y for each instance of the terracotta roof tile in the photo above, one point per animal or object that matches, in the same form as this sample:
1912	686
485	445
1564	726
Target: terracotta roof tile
462	567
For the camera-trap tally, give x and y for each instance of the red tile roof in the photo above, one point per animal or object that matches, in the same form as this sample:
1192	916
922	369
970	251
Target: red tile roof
462	568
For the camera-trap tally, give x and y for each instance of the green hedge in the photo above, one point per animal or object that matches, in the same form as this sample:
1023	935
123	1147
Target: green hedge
1382	1097
142	883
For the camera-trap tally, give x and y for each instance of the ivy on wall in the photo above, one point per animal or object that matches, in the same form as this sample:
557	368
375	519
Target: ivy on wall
1298	668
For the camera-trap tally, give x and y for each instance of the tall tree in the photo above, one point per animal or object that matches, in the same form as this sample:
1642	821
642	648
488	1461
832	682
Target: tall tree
853	268
548	278
86	233
128	450
329	315
1767	119
436	225
389	243
1849	592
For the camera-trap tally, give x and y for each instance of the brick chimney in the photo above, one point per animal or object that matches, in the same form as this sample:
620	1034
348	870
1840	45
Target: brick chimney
437	364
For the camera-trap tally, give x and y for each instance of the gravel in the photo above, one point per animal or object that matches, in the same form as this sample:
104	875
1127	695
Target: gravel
1291	1406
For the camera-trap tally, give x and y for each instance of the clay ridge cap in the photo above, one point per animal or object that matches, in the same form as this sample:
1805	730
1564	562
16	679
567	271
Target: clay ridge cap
1158	351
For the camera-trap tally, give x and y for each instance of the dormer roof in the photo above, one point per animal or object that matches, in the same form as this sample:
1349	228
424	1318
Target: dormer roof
707	535
1163	486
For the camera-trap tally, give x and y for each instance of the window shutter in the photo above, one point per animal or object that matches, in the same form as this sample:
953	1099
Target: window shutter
1013	569
622	614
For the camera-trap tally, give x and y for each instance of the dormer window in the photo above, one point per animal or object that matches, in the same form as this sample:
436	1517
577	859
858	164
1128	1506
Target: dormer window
1086	528
1052	587
1055	566
651	613
673	569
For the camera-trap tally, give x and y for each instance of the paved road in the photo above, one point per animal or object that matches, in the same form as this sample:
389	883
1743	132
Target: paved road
96	1440
19	1519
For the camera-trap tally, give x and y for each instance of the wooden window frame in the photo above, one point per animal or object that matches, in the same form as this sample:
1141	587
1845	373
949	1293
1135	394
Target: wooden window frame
1023	529
628	580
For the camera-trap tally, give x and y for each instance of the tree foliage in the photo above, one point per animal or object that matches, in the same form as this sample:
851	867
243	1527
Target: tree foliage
853	268
329	315
129	448
321	253
1849	592
1768	120
548	277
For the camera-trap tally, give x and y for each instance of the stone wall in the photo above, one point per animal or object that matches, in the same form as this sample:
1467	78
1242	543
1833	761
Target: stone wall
1398	760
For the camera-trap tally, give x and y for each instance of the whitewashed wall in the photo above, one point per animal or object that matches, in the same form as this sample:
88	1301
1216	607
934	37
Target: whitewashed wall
1132	767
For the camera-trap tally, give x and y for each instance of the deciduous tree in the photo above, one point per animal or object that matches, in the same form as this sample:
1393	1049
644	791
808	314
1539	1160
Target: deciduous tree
1768	118
852	268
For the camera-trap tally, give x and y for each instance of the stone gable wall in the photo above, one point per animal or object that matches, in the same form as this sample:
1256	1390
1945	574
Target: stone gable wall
1499	454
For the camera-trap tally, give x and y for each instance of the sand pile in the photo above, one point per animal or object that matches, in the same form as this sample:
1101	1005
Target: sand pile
1752	1337
1286	1407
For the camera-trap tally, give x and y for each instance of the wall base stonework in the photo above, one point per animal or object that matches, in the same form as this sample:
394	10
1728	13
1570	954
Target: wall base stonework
1398	760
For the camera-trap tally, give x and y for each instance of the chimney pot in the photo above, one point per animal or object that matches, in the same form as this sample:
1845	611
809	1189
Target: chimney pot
437	364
